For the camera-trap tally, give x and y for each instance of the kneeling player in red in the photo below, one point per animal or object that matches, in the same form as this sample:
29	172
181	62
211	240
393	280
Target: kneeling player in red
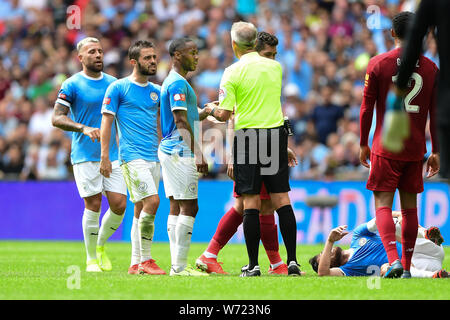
403	170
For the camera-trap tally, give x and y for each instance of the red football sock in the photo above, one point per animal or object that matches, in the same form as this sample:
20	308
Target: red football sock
410	225
226	228
269	237
386	228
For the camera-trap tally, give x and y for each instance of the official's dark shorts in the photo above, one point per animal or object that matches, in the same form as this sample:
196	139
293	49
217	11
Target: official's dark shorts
260	155
264	195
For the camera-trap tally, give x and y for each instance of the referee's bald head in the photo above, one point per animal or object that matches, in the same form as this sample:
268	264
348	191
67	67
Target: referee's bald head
244	34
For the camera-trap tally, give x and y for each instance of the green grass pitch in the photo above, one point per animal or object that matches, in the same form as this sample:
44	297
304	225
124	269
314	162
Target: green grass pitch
48	270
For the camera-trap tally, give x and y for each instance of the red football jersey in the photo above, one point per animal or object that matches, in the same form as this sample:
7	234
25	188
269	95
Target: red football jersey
419	102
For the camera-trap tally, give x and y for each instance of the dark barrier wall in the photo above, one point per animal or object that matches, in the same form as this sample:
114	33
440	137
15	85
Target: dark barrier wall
53	210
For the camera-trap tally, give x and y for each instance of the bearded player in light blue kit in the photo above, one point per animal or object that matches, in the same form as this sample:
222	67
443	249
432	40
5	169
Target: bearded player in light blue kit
134	103
180	154
82	95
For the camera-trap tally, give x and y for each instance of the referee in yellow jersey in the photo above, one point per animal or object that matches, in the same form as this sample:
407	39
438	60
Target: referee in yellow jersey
252	88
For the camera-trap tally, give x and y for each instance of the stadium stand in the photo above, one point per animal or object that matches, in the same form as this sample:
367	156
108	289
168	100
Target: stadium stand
324	47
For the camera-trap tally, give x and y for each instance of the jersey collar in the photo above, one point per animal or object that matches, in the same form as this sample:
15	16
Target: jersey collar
249	55
137	83
91	78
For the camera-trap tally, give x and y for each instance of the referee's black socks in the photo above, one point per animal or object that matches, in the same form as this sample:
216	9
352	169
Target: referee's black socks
288	229
252	235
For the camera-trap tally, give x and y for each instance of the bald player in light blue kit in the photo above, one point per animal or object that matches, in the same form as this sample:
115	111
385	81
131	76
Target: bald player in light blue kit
82	95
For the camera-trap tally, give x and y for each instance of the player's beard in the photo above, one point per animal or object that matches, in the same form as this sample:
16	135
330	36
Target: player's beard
336	258
145	71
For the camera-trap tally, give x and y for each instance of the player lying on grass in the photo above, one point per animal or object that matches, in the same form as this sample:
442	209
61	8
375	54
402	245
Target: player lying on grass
366	250
266	46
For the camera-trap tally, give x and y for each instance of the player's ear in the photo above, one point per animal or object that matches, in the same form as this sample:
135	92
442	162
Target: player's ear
393	33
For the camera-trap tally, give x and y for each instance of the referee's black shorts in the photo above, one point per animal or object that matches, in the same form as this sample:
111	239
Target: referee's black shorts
260	155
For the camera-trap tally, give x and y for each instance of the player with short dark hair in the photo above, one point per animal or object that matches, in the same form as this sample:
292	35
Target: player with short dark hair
266	44
82	95
366	252
403	171
180	154
133	102
431	15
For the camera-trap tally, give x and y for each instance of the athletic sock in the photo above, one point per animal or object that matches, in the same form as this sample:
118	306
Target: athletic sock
90	232
135	243
409	235
252	234
171	227
288	229
226	228
386	228
183	233
110	223
269	238
146	230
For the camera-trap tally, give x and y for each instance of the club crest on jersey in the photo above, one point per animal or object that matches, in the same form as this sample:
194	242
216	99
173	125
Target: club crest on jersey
179	97
154	96
107	101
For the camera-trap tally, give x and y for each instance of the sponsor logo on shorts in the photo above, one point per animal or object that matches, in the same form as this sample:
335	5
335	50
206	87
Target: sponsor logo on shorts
154	96
142	187
192	187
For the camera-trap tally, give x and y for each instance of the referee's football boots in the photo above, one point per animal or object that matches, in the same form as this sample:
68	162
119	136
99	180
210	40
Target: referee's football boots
294	269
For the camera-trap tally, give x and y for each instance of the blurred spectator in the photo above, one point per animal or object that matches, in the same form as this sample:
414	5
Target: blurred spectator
325	116
11	164
51	165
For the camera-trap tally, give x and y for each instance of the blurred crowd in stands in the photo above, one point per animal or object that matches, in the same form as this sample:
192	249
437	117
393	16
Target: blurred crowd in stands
324	47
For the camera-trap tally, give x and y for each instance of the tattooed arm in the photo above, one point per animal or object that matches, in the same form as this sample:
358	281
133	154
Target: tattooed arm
61	120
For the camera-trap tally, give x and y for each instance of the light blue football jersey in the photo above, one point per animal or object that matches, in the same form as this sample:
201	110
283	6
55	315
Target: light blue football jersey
368	251
84	96
135	107
177	94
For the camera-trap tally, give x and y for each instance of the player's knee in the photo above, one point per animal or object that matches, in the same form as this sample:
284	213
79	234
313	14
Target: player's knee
93	203
119	205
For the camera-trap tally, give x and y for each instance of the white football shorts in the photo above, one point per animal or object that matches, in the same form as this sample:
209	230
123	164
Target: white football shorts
90	181
142	178
180	176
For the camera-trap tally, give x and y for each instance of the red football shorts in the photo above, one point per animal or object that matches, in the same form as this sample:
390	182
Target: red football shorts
263	194
388	175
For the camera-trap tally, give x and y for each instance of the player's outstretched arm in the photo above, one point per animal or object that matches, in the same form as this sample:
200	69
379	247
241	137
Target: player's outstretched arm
325	258
105	132
220	114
